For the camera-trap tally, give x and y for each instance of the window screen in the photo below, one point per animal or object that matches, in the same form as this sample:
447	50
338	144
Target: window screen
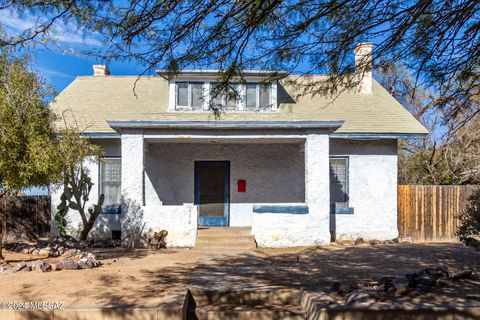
251	89
232	97
338	183
182	94
264	96
110	181
197	96
217	97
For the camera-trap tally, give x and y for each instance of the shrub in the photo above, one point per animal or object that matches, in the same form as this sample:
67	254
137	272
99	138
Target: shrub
470	221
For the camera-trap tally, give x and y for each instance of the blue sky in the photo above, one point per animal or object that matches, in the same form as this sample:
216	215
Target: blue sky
58	61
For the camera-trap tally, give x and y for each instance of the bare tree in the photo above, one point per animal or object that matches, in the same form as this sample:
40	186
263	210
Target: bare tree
437	40
450	153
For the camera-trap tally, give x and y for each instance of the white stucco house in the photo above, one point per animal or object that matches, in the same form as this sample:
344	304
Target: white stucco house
297	170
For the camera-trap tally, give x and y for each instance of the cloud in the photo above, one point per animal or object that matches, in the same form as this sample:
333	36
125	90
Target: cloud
17	24
50	73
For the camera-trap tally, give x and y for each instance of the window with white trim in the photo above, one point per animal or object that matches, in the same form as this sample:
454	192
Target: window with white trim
110	184
189	95
228	99
250	96
338	183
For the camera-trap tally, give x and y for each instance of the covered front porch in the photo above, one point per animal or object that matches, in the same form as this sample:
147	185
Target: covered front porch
274	179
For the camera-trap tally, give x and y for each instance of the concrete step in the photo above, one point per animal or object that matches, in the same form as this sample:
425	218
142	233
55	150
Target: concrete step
243	312
229	239
226	245
225	231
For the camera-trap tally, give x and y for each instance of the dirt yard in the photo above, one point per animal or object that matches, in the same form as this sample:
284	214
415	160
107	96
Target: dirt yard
126	277
146	277
317	268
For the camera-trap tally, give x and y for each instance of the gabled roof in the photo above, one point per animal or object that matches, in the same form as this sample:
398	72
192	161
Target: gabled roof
92	101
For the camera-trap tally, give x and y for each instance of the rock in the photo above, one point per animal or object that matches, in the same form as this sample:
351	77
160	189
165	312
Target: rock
360	296
67	264
374	242
395	240
406	240
5	268
425	279
401	285
385	281
72	252
359	241
44	251
464	274
475	276
441	272
344	242
21	266
41	266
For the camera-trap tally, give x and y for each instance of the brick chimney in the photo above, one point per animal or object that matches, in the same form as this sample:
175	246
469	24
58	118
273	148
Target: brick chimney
100	70
363	67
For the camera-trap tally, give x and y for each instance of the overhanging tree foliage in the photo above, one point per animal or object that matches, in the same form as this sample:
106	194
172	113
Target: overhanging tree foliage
28	142
437	40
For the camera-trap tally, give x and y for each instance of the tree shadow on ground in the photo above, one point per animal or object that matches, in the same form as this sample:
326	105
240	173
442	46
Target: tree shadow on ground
317	268
164	285
115	253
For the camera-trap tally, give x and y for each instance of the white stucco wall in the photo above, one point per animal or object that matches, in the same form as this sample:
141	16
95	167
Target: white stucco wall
290	230
105	222
372	189
273	173
278	173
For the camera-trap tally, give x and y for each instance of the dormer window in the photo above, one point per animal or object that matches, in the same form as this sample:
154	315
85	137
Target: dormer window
258	96
189	95
237	97
230	99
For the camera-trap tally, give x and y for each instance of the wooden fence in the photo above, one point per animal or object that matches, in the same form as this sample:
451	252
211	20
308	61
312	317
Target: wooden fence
27	217
430	213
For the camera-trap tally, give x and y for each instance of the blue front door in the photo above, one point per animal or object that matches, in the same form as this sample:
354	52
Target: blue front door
212	192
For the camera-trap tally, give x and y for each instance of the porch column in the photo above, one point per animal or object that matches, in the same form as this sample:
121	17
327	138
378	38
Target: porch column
317	185
132	167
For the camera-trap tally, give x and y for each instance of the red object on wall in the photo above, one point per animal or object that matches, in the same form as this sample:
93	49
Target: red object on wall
241	185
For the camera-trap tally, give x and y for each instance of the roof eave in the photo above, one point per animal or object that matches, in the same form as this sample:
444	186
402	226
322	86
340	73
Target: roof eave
387	135
223	125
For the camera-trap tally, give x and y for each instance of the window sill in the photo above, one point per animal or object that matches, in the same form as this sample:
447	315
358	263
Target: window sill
111	210
290	209
223	111
343	211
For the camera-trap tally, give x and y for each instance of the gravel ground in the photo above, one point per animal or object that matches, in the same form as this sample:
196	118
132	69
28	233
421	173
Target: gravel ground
317	268
127	276
146	277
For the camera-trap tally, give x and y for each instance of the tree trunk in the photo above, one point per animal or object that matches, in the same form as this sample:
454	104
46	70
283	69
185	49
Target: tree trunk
86	229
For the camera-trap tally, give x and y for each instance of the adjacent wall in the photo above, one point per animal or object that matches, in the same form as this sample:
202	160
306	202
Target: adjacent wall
372	189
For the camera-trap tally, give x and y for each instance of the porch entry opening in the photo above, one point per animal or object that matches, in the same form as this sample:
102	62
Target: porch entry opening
212	192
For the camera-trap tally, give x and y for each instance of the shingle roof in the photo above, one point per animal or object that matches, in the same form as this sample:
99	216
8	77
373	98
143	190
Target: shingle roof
91	101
